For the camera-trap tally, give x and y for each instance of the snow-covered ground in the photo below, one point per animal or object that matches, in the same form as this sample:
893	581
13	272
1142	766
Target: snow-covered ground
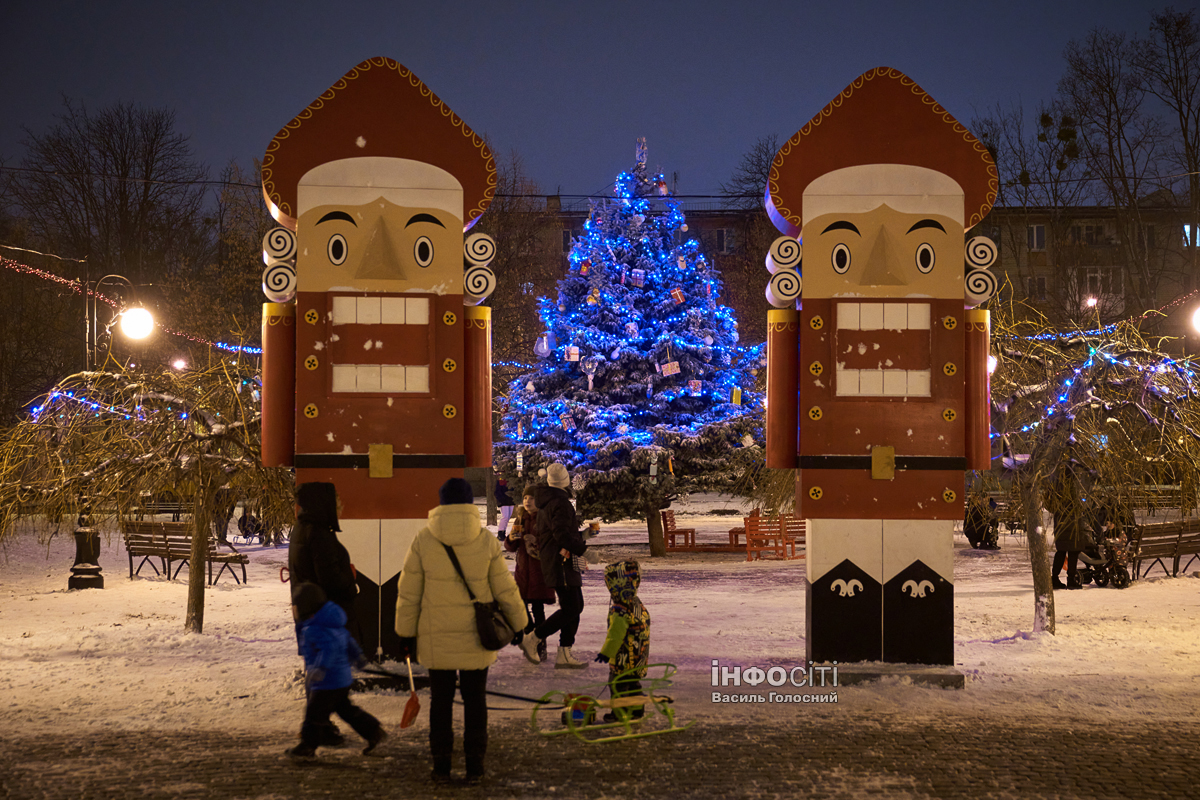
119	657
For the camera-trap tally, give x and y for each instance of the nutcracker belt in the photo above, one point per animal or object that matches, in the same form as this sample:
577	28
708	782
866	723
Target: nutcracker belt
864	462
363	461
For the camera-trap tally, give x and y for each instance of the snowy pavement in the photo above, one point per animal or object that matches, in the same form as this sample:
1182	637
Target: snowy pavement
103	689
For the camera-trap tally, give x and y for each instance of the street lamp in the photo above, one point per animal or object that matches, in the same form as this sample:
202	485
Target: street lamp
134	322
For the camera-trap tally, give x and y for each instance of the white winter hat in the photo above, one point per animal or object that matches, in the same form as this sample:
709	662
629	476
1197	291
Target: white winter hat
557	476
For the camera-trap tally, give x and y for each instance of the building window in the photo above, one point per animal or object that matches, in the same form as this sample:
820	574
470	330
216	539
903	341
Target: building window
1191	237
724	240
1098	281
1035	287
1037	237
566	234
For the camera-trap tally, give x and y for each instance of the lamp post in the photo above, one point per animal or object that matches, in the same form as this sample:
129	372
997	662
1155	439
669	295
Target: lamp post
135	323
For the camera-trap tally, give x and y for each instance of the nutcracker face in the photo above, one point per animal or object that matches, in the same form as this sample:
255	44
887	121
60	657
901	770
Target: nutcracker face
883	253
379	237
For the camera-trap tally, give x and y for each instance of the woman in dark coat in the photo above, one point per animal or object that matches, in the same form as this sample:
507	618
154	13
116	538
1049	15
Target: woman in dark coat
314	553
1070	534
523	540
559	538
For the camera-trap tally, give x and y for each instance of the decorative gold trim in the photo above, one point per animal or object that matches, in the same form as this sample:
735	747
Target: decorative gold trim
835	103
279	309
268	162
478	312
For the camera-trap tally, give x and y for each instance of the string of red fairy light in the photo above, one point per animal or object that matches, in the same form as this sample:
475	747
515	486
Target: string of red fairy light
77	287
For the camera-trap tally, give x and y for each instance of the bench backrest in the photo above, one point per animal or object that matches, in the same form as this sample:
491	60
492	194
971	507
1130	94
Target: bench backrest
175	536
668	520
1158	538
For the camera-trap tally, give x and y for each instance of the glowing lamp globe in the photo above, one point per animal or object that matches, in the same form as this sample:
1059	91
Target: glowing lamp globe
137	323
1196	319
991	362
179	363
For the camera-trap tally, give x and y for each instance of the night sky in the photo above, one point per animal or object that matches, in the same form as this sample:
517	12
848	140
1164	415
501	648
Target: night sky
569	86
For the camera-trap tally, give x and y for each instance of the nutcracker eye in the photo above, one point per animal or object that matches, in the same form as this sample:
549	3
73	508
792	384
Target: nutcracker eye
423	251
925	258
337	248
841	259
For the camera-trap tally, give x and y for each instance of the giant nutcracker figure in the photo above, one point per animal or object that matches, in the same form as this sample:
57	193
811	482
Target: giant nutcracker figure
878	383
377	374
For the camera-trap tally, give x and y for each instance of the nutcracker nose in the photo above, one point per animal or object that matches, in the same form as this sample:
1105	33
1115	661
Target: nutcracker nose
380	258
883	265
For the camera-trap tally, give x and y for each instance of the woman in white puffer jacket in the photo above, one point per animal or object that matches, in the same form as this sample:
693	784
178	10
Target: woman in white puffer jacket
435	619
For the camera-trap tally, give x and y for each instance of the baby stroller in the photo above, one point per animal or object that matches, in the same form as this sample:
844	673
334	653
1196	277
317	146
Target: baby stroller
1107	562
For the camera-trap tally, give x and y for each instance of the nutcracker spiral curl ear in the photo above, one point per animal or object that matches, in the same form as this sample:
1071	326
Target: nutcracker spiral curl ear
478	250
784	288
279	282
279	245
785	253
478	284
980	286
980	253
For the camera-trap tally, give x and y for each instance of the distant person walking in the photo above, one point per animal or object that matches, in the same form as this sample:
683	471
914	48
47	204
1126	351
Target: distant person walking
1070	534
559	538
435	620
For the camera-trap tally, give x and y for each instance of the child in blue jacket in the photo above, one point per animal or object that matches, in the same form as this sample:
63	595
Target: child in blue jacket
329	651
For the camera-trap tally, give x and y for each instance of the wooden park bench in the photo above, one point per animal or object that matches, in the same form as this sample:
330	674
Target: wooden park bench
683	540
1158	541
781	535
170	543
677	538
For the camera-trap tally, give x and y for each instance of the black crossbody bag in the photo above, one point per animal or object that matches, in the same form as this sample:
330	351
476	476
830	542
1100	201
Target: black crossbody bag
494	630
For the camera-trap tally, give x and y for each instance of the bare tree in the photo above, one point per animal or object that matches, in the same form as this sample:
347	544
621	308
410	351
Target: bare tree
1122	142
527	264
119	187
1169	63
747	185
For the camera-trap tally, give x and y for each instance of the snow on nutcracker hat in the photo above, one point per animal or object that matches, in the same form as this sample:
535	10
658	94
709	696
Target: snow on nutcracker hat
379	109
883	117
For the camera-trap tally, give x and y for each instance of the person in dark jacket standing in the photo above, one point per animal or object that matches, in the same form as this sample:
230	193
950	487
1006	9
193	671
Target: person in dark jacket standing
1070	535
314	553
559	538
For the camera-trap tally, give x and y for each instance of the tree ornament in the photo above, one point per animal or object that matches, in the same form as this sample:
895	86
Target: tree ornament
638	277
708	340
735	395
683	227
670	368
694	388
747	441
529	386
594	297
590	365
681	262
562	308
568	422
572	353
649	387
520	463
584	267
631	329
661	186
520	432
544	345
677	295
622	428
654	467
638	219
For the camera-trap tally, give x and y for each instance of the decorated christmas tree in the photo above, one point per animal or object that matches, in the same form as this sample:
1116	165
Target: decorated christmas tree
643	391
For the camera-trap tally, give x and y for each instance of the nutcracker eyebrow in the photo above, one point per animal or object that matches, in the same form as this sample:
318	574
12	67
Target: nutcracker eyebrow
424	218
841	225
342	215
927	223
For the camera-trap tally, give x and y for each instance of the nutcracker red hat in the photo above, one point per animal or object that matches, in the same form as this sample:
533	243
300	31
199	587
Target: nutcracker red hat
379	109
883	117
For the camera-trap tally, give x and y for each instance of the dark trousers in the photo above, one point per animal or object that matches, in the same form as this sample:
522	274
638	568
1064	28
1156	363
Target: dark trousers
1071	559
566	619
537	613
322	703
473	687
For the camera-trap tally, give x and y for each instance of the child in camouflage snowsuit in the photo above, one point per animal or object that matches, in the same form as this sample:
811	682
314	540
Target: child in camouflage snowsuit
626	649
